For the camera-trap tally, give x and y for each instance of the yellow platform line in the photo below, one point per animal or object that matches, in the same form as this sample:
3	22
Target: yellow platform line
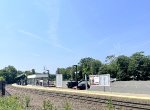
87	92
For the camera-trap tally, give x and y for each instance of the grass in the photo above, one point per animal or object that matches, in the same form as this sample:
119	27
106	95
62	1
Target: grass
47	105
67	106
10	103
110	105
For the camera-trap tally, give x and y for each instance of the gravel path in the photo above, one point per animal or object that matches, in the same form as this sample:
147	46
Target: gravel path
59	102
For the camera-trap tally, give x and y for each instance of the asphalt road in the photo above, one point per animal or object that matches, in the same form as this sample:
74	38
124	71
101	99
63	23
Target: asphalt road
137	87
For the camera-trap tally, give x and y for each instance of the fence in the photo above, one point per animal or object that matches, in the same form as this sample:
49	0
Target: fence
2	88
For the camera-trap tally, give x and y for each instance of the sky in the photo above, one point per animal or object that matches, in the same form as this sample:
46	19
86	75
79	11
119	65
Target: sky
58	33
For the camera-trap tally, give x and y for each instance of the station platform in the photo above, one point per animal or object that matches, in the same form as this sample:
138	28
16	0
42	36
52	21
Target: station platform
89	92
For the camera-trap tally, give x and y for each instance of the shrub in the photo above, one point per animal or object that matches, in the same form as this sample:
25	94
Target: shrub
2	78
10	103
110	105
47	105
27	101
67	106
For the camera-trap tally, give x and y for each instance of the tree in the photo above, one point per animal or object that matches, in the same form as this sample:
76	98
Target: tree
122	64
66	72
110	59
89	66
52	77
2	78
33	71
95	66
146	68
19	72
28	73
136	65
110	66
104	69
9	73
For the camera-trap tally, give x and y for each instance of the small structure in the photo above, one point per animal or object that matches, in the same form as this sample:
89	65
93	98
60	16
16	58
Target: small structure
59	80
38	79
21	79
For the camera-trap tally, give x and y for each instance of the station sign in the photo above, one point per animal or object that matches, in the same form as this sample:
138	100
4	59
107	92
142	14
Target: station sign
100	80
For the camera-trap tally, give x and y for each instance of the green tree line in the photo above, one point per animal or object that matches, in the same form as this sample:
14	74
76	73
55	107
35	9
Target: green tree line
10	74
134	67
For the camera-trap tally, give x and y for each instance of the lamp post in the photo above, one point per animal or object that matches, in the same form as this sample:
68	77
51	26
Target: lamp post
76	75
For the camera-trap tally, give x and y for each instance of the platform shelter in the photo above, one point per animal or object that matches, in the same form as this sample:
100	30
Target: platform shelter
38	79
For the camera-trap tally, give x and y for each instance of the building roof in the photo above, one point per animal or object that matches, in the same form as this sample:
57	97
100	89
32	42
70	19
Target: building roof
37	76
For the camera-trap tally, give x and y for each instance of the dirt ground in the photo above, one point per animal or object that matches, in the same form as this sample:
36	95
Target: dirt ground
36	102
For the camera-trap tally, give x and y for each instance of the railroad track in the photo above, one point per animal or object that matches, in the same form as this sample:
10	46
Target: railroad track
89	99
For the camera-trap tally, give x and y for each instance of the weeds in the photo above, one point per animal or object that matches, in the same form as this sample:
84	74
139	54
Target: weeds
22	103
110	105
47	105
67	106
27	101
10	103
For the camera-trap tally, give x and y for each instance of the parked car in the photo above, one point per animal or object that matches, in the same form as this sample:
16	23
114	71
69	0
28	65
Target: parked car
113	79
81	85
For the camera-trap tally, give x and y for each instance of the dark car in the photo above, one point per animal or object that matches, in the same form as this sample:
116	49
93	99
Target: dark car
81	85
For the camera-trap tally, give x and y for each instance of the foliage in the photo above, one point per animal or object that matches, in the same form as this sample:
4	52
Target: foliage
52	77
122	64
67	106
135	67
33	71
110	105
27	101
47	105
9	73
28	73
90	66
138	66
67	73
10	103
85	64
2	78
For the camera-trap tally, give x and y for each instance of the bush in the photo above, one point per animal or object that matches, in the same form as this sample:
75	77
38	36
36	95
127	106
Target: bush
10	103
2	79
67	106
47	105
110	105
27	101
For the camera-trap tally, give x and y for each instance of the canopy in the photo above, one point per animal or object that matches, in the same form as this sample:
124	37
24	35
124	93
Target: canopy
37	76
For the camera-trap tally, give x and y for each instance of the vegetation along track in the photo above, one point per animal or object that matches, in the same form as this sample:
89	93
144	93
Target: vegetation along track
92	99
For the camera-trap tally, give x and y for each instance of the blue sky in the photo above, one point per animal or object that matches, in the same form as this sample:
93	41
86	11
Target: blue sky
58	33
